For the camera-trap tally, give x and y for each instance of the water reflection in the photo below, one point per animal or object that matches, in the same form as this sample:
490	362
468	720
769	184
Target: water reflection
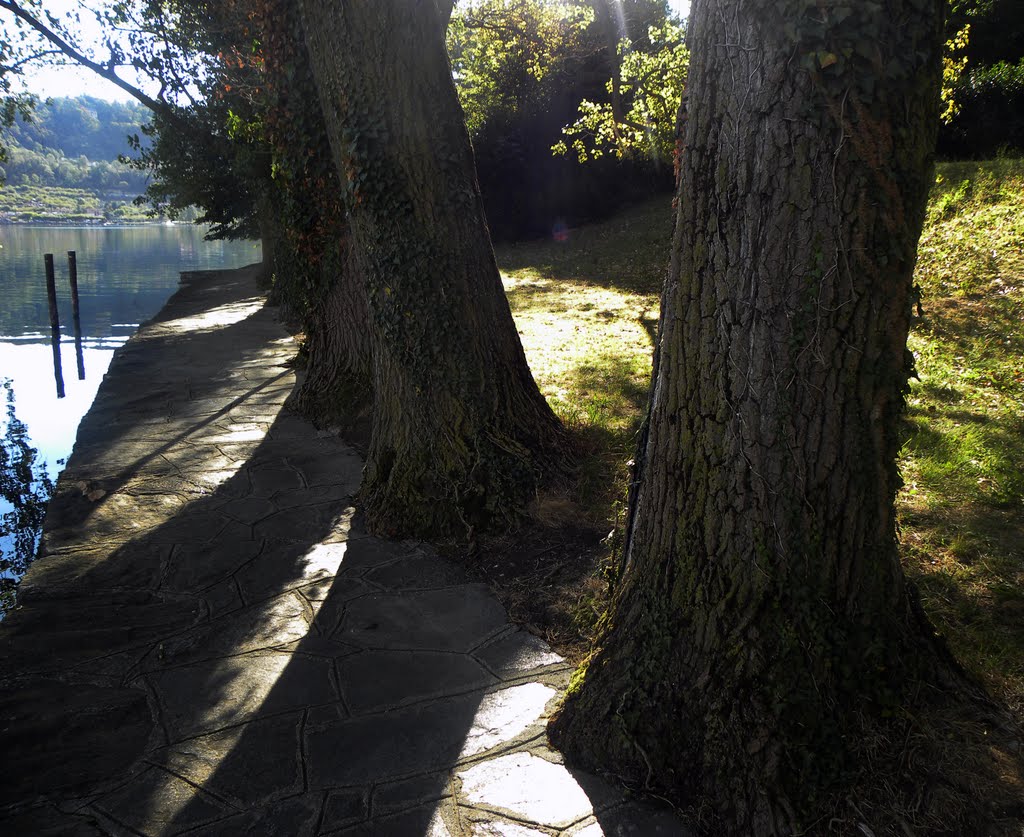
25	489
79	355
58	372
29	364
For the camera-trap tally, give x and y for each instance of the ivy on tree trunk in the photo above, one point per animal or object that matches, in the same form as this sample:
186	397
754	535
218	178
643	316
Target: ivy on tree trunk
462	438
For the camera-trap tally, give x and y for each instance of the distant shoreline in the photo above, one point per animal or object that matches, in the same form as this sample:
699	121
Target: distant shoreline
59	206
88	222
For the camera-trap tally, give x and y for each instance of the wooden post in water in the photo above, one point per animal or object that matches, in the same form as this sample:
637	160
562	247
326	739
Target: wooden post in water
76	312
51	291
73	280
51	298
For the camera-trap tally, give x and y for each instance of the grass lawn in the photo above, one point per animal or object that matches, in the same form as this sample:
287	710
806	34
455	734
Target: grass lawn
587	313
962	508
587	309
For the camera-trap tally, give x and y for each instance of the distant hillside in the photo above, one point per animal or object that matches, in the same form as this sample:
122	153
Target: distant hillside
85	126
63	164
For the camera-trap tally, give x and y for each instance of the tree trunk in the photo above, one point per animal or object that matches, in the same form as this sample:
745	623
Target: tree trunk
270	233
337	388
316	276
763	615
461	436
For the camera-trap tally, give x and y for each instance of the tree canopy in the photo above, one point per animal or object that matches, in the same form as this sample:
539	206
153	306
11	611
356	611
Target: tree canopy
522	68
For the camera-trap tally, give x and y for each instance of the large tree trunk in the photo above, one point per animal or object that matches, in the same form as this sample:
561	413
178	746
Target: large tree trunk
461	436
763	613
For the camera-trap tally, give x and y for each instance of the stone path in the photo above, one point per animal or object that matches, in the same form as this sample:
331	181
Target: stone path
212	644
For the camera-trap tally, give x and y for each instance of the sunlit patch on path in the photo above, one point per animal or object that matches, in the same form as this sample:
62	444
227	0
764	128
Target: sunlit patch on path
212	644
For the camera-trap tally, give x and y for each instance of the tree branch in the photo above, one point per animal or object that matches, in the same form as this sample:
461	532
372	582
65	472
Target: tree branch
13	68
104	71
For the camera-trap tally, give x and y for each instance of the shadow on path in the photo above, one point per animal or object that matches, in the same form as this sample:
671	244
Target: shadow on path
211	644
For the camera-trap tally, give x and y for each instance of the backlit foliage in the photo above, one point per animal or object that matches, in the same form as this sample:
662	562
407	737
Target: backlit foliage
954	62
502	51
651	83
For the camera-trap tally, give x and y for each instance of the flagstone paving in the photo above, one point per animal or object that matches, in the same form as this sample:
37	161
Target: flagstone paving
212	644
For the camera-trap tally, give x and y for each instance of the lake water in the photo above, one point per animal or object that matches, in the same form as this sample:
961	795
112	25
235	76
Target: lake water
125	274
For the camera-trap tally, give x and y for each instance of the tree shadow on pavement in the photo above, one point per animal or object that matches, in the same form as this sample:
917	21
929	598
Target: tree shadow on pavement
212	644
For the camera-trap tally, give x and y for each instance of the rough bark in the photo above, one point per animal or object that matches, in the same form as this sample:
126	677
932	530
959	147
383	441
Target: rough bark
462	437
337	388
763	613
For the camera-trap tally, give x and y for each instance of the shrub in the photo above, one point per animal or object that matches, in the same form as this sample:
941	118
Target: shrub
991	113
